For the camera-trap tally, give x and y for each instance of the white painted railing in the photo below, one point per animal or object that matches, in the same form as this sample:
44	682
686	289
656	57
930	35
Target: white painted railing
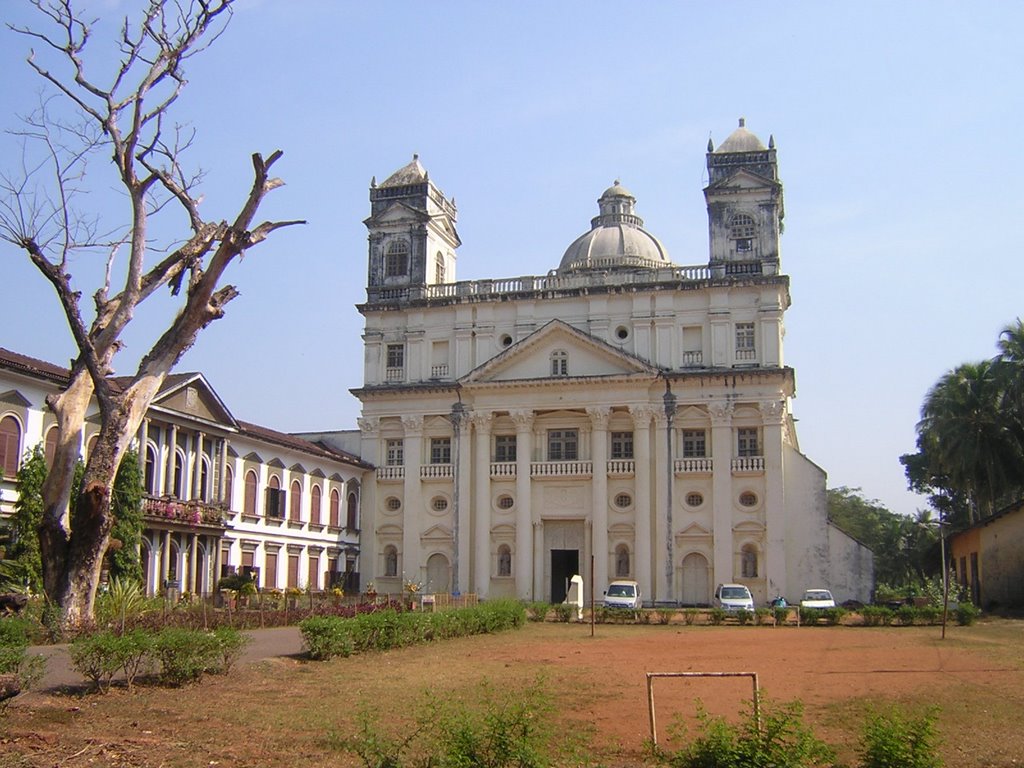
689	466
748	464
561	469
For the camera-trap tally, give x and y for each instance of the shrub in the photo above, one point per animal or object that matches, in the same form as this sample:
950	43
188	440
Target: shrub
782	741
743	616
665	614
689	616
930	614
761	615
876	615
14	656
896	740
966	613
101	655
563	612
123	601
906	614
231	643
185	654
326	637
538	611
716	616
833	616
780	614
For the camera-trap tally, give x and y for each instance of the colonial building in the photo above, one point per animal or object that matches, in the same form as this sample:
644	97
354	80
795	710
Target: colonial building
223	495
621	409
987	559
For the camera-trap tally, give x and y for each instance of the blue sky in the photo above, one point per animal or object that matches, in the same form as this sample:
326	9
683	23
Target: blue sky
902	192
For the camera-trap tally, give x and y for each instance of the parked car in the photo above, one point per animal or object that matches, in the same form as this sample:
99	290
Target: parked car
733	597
817	598
623	594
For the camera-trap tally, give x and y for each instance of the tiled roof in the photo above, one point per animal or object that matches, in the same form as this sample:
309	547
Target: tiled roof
299	444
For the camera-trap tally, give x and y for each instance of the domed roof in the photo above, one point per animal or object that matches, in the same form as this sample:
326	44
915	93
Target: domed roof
741	140
616	240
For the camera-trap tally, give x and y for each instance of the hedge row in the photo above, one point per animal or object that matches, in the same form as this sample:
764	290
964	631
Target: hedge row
329	636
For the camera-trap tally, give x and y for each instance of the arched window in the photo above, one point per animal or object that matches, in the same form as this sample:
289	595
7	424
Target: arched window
621	561
742	231
251	484
229	487
50	446
179	473
748	561
151	469
396	260
335	508
204	478
295	503
10	446
390	561
439	268
504	560
352	516
314	504
559	363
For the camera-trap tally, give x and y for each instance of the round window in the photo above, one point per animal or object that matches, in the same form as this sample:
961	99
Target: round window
439	503
393	503
622	333
694	499
506	340
623	500
748	499
505	501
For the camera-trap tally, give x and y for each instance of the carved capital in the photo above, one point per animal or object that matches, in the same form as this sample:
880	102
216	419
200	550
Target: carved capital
720	412
599	417
482	421
773	411
522	419
642	415
369	424
412	423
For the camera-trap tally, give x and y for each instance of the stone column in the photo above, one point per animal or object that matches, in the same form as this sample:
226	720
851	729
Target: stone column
599	490
773	563
193	561
525	557
481	518
537	545
222	475
197	472
721	457
143	442
172	452
463	500
412	507
166	559
661	475
642	416
369	544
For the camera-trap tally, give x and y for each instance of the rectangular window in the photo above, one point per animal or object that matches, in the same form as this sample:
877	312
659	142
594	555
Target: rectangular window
622	445
275	502
313	573
746	442
563	444
504	447
293	570
395	453
695	445
744	341
440	450
270	571
396	355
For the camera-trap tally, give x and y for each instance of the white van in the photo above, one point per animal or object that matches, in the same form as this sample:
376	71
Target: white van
623	594
733	597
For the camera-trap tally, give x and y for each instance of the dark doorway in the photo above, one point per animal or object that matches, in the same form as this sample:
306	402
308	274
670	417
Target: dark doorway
565	563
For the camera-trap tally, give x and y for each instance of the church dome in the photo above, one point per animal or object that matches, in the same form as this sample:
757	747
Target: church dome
616	240
741	140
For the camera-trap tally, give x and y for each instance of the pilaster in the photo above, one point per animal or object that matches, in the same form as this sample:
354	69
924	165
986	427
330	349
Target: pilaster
525	557
642	416
721	458
599	489
773	412
481	472
412	506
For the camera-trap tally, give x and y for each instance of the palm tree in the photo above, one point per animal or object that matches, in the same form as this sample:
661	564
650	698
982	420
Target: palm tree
1010	369
969	437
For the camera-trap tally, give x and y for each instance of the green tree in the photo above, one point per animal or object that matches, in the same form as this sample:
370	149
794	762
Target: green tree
28	515
904	547
126	504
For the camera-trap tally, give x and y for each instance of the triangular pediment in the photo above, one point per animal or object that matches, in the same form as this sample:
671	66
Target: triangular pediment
585	357
191	395
693	531
14	398
743	179
437	533
396	213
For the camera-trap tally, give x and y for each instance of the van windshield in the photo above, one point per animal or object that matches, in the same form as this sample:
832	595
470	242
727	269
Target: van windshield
621	590
734	593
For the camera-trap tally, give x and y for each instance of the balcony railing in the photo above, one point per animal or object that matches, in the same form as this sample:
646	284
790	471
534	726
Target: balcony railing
621	468
503	469
390	473
748	464
436	471
561	469
192	512
693	359
439	371
693	465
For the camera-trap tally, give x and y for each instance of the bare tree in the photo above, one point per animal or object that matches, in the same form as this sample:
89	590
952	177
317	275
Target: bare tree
125	118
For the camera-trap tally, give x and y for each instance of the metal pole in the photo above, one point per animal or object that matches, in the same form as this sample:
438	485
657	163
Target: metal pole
945	573
591	592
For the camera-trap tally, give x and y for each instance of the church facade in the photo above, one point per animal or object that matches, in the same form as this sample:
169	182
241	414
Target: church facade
621	414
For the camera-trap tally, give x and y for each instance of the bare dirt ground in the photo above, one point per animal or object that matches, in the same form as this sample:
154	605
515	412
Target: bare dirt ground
286	710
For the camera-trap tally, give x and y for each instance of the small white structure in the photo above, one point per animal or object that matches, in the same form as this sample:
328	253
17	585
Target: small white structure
575	595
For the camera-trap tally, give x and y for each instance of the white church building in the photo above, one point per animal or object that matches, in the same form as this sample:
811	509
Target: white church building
621	410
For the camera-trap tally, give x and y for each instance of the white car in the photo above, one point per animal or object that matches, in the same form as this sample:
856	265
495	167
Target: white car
623	594
817	598
733	597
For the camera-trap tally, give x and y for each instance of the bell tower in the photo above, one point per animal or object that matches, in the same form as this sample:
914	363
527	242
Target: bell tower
745	206
412	235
